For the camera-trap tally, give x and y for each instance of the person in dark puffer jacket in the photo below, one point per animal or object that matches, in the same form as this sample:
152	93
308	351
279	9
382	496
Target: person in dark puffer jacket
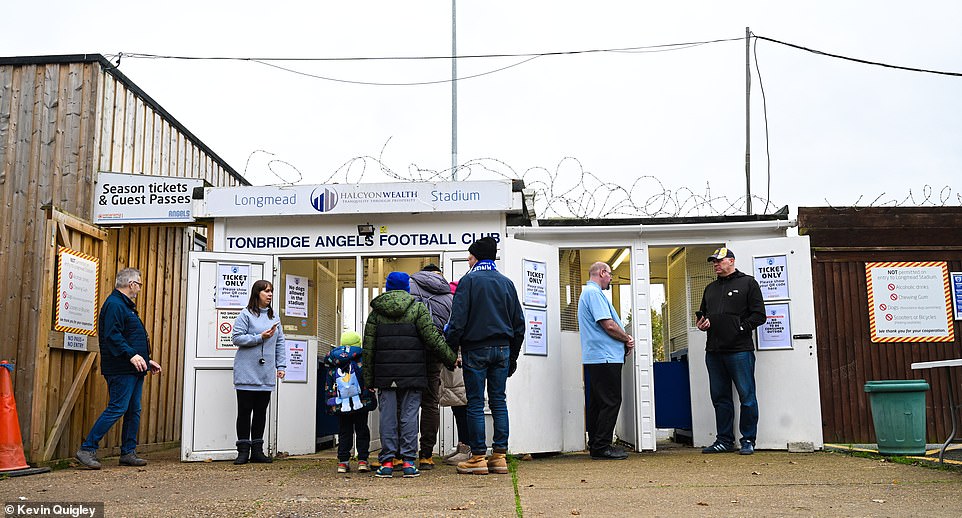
398	335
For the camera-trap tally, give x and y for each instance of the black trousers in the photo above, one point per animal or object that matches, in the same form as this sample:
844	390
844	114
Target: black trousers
604	402
252	413
350	425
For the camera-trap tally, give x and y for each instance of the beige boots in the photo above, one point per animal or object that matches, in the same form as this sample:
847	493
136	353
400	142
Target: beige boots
479	465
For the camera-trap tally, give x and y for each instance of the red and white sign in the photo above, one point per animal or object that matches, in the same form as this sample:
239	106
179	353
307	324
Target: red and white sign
918	307
225	328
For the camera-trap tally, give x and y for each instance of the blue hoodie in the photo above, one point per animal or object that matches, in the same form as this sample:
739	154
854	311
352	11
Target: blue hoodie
249	373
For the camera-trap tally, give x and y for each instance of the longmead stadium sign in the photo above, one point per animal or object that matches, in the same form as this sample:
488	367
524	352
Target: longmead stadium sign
375	198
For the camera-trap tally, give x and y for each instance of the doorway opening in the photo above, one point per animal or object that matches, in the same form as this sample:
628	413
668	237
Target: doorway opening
337	299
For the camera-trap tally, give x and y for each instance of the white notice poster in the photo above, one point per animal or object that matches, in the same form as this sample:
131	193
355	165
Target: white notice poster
771	272
77	295
535	290
295	300
225	328
535	341
776	332
296	361
909	302
233	285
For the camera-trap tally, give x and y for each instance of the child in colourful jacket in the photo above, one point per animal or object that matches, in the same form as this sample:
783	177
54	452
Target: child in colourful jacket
349	398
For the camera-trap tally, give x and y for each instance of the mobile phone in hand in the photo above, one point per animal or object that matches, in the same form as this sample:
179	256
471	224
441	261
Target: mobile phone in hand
698	315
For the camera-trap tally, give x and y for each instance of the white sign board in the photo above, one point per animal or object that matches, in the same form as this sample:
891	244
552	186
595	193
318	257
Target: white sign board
909	302
225	328
77	295
296	361
957	294
776	332
535	341
295	299
74	342
771	272
233	285
535	289
138	198
368	198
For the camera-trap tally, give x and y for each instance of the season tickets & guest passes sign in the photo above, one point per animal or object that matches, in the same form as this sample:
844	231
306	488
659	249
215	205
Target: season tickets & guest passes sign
909	301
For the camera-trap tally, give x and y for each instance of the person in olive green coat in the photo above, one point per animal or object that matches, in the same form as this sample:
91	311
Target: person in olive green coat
398	335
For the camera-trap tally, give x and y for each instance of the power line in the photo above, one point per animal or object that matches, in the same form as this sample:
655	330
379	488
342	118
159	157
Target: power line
857	60
642	48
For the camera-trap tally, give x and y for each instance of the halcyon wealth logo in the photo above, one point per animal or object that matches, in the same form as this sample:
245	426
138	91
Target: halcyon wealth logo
323	199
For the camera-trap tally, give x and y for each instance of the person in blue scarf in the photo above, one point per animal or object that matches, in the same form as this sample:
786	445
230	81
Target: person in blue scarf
487	324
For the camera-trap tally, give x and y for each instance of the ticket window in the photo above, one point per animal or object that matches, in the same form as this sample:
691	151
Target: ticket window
376	270
316	297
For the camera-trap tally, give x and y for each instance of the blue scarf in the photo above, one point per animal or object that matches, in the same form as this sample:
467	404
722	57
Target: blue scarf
486	264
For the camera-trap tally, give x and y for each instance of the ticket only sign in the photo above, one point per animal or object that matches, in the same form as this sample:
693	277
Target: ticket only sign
138	198
909	301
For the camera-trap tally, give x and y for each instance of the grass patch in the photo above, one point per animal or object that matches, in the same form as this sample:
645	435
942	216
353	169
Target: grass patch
513	463
896	459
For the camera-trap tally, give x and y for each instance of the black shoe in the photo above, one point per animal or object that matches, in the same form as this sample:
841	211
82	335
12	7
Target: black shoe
609	453
243	452
718	447
257	452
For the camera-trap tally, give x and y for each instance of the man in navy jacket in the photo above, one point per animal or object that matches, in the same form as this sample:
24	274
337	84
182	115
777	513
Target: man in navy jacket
124	361
487	324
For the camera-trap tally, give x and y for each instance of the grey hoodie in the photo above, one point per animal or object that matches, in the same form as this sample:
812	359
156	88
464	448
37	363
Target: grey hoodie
435	292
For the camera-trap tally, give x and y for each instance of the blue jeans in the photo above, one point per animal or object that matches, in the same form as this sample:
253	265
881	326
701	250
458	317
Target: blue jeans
724	369
125	391
487	364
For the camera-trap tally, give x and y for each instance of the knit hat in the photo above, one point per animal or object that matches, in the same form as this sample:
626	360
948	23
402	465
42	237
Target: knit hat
430	267
484	248
350	339
398	281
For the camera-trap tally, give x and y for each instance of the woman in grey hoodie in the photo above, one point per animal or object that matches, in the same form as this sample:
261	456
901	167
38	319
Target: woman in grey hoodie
259	362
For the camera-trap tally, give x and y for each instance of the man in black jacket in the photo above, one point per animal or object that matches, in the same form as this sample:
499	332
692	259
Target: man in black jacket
731	308
487	324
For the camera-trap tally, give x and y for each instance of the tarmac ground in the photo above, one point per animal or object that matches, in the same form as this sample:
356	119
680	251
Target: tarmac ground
673	481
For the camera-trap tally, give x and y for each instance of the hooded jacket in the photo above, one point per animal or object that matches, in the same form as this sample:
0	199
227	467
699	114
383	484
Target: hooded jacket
735	307
435	292
397	334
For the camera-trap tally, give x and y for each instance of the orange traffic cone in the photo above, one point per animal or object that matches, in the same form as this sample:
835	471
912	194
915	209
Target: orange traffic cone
11	443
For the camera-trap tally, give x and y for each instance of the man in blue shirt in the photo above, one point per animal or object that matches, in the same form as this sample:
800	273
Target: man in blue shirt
604	346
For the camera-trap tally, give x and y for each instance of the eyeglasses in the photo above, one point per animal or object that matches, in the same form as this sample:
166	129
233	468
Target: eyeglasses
138	283
607	271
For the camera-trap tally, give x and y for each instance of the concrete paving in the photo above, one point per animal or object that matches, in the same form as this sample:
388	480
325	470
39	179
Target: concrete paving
674	481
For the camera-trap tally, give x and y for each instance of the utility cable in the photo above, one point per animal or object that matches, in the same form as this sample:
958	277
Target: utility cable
857	60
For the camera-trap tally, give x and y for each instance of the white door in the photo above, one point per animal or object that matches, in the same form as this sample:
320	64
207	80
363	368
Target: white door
536	390
210	405
786	377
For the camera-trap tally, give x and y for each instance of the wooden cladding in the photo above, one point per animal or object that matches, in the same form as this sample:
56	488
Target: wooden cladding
62	120
843	240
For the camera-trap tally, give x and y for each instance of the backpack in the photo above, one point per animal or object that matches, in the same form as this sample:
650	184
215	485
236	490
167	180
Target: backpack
344	388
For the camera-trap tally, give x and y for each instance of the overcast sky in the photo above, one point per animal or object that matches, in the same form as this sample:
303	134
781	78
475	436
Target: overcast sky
839	132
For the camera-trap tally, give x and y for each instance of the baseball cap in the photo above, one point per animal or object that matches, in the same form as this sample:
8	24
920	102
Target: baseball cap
720	253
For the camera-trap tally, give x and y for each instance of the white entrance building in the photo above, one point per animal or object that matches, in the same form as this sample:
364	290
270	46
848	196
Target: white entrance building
341	241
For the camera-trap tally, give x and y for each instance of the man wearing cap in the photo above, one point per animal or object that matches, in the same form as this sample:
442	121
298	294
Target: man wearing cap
731	308
431	288
398	336
487	324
